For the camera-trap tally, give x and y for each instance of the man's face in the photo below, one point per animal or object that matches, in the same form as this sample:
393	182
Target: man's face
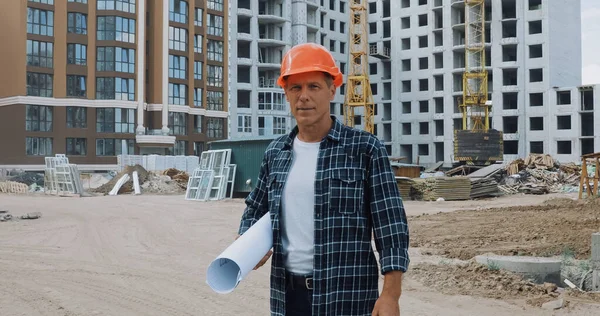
309	96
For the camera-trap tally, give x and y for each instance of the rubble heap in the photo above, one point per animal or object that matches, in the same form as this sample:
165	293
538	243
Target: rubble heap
539	174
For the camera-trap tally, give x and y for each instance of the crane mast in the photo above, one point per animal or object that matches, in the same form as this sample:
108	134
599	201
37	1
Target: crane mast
358	86
474	107
476	143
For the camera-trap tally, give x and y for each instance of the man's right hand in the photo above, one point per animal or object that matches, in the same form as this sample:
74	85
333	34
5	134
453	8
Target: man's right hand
263	260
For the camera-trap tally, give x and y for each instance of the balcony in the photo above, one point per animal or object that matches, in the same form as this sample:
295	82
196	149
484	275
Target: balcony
154	138
266	82
269	12
381	53
244	12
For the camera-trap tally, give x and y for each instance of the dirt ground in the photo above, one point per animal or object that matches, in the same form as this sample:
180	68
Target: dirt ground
559	226
147	255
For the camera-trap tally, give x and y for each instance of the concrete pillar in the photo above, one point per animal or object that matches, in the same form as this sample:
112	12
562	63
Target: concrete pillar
141	63
596	262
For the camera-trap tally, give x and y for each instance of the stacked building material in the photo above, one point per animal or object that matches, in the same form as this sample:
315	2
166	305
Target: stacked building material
404	185
483	187
448	188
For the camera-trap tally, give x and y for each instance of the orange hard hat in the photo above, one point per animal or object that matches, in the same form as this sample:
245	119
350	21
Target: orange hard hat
309	57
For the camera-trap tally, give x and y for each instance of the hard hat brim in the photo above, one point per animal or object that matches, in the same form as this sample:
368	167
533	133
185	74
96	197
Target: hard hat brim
337	76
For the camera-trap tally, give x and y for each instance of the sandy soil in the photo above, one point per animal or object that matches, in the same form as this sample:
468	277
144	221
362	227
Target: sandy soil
147	255
558	226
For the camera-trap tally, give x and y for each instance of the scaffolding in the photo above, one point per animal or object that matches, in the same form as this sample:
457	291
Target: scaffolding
358	86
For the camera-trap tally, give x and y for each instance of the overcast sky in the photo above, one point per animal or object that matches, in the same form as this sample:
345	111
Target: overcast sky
590	27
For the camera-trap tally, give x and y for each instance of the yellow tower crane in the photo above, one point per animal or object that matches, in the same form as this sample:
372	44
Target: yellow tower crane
475	78
476	143
358	86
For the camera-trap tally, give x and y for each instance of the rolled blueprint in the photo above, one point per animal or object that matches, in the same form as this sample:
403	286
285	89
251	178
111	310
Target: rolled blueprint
232	265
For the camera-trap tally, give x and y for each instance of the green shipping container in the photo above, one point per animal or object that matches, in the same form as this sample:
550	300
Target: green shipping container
247	153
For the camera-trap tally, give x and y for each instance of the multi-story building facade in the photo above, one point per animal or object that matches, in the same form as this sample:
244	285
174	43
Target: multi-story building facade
533	47
93	79
416	63
264	31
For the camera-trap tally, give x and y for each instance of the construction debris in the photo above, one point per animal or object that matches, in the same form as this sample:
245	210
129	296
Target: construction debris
539	174
127	186
5	216
13	187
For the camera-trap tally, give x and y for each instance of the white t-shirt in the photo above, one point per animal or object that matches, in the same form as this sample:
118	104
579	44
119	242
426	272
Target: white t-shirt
298	205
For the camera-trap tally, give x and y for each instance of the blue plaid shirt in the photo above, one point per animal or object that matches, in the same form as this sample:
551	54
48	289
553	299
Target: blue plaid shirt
356	198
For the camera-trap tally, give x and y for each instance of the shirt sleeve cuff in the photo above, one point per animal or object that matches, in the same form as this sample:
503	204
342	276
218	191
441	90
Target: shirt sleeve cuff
394	259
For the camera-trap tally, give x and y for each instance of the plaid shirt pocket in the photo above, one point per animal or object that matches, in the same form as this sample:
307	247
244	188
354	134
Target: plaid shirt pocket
346	190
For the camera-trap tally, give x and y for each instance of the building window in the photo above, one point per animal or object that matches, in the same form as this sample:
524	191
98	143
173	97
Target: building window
563	97
177	38
105	120
116	28
198	17
215	25
214	100
198	148
271	101
535	27
279	125
536	147
78	1
77	54
261	125
50	2
215	50
215	76
119	5
178	123
197	43
39	84
179	149
125	121
563	147
76	146
40	54
38	118
216	5
198	97
178	11
214	127
76	23
177	94
115	89
244	123
114	147
177	67
40	22
197	70
115	59
111	120
76	117
38	146
198	124
76	86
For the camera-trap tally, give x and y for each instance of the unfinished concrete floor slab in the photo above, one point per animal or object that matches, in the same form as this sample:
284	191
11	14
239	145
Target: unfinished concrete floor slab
538	269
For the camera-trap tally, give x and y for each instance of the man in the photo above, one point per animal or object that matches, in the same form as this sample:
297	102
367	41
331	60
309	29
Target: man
329	189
